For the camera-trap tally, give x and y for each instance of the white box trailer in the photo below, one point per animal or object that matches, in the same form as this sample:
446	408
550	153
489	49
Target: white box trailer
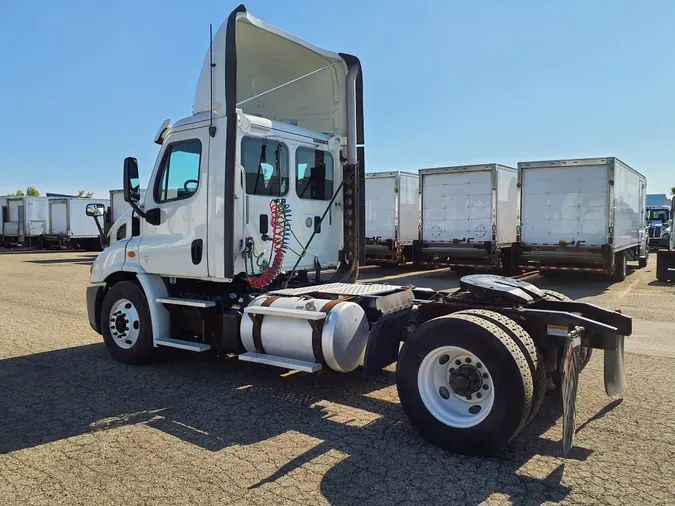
118	206
69	225
468	217
27	220
582	215
392	222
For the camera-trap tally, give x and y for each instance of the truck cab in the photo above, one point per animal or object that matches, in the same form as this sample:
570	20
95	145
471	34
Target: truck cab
665	258
262	186
660	223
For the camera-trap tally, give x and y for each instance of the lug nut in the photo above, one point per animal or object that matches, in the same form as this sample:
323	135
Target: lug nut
485	375
467	360
452	369
479	365
479	395
468	397
458	362
486	387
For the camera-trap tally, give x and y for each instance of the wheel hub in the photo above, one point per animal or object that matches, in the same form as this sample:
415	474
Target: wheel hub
455	386
466	380
124	323
121	323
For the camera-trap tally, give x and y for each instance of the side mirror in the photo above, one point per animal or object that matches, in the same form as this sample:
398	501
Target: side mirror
95	210
132	192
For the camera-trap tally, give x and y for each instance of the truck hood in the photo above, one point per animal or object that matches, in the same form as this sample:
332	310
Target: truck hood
252	57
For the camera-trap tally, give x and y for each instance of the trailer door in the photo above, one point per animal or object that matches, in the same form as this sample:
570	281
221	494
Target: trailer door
567	204
59	216
457	206
381	207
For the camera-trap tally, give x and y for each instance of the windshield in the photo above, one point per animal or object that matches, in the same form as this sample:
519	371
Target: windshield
658	214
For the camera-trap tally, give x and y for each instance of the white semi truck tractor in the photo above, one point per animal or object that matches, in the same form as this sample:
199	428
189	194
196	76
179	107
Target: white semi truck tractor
249	241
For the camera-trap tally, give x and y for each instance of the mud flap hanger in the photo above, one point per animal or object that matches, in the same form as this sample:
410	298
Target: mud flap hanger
591	333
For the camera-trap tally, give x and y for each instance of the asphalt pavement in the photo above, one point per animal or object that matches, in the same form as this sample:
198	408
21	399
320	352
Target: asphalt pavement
79	428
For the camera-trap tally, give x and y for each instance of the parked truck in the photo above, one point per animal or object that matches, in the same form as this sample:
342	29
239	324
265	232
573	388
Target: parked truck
659	221
70	227
227	254
27	221
468	217
392	222
581	215
665	258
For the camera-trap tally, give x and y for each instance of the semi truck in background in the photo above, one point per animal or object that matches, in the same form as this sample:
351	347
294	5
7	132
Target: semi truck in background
25	220
468	217
659	220
392	222
70	227
581	215
270	189
665	257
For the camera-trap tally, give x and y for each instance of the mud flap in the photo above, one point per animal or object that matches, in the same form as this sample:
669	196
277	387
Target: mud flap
570	382
615	378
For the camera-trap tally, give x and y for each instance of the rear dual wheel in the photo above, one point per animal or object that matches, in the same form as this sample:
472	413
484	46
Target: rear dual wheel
465	382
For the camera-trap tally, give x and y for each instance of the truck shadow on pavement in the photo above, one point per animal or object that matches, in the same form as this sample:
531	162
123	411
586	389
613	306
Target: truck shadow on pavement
215	403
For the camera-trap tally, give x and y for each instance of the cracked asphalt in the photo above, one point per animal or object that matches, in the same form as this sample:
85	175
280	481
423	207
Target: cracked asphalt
78	428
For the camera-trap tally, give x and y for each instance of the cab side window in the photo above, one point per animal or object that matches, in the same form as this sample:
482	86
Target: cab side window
266	166
179	175
314	174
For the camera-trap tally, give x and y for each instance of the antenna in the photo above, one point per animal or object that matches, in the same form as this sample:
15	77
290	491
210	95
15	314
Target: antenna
212	129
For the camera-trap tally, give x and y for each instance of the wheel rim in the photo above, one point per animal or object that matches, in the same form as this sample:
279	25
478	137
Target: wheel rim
455	386
124	323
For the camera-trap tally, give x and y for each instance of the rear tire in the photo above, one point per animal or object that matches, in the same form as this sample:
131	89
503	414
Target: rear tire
529	349
620	266
126	325
433	398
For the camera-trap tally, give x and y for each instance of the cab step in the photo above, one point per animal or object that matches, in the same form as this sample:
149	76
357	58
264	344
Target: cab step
283	362
186	302
183	345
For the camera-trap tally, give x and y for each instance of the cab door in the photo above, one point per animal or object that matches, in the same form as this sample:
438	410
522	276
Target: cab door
177	246
314	185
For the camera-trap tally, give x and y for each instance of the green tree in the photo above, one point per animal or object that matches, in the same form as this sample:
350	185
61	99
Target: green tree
672	191
84	195
17	193
31	191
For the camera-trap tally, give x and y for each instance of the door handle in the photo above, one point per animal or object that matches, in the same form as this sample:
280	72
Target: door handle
196	250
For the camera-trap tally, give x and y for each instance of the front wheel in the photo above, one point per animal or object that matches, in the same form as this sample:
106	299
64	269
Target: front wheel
464	384
126	324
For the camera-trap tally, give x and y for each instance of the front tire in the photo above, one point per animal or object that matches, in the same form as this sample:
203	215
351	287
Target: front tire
126	324
465	384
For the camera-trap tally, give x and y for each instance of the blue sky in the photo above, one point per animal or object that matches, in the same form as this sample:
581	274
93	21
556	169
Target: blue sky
84	84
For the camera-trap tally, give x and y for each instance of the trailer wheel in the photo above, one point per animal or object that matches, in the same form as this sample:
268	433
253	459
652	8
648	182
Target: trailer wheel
464	384
642	261
620	266
529	349
125	324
